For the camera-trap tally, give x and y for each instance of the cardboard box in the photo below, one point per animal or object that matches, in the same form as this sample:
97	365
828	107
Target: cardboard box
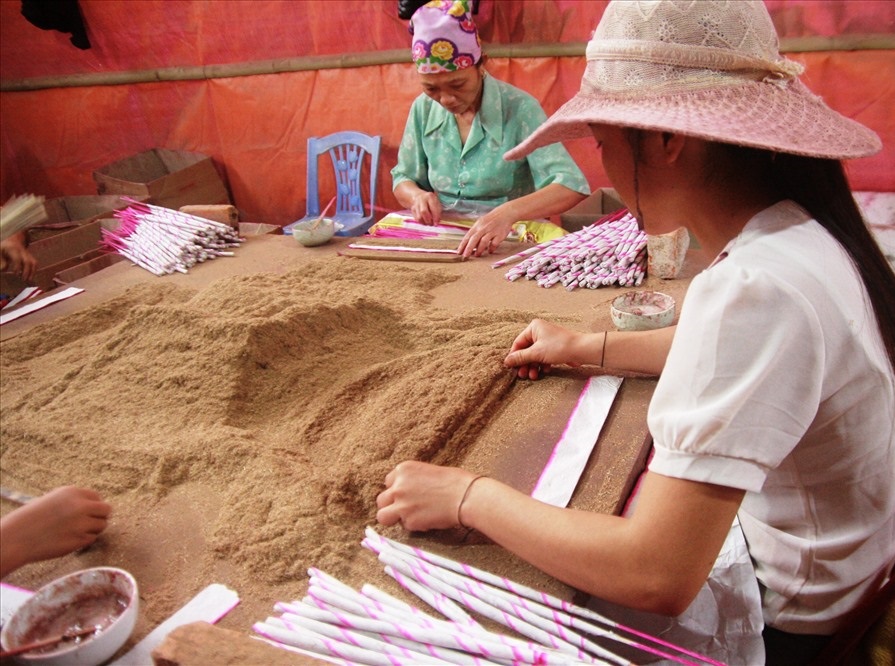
602	202
66	213
66	249
169	178
258	229
85	268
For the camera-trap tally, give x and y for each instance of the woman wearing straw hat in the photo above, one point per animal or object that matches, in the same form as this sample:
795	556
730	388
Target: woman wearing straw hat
450	157
776	396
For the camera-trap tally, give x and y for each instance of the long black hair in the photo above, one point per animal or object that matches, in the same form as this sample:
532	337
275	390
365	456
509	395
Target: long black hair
820	186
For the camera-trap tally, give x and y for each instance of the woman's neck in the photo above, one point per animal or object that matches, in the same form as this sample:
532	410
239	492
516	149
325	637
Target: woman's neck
719	219
725	197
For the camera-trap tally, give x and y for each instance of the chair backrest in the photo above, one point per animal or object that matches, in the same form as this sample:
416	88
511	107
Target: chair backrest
347	150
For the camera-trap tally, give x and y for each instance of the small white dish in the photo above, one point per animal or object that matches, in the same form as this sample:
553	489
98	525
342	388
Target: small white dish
312	233
103	597
642	311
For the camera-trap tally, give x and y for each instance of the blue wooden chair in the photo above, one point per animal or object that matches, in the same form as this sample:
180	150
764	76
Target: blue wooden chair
347	150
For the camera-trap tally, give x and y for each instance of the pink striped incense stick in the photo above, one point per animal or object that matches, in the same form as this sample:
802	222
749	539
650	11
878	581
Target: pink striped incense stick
324	646
525	253
485	608
358	639
384	606
164	241
374	600
443	634
613	243
395	605
414	615
396	635
436	599
505	604
528	593
550	620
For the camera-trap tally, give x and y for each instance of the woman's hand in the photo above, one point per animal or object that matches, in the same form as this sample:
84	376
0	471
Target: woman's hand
424	205
15	257
426	208
542	345
489	231
64	520
422	496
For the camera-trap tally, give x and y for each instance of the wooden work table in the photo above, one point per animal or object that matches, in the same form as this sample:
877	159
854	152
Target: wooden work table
513	448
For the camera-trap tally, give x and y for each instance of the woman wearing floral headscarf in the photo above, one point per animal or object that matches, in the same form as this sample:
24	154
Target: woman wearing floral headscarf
776	394
450	157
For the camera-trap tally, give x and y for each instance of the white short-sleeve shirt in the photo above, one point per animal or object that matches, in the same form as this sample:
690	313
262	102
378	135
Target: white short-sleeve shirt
777	383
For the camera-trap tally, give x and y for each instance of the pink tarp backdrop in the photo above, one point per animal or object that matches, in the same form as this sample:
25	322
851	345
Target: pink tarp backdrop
256	127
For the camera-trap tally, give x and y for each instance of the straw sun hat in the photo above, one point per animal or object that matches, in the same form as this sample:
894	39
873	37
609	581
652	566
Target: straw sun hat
712	70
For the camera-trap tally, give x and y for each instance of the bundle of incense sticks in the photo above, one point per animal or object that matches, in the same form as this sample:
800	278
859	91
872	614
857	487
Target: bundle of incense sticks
395	225
165	241
610	251
19	213
369	626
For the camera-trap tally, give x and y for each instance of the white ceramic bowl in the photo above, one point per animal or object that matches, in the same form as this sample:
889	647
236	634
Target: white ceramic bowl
313	232
642	311
105	597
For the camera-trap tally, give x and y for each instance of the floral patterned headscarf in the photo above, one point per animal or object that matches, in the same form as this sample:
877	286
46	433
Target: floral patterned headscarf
445	38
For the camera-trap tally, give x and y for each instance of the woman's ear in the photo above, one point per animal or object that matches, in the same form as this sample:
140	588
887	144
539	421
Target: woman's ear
672	146
662	148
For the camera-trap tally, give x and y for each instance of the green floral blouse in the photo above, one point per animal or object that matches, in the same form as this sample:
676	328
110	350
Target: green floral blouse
474	176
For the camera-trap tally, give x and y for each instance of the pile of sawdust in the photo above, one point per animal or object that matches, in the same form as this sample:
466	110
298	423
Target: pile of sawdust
290	396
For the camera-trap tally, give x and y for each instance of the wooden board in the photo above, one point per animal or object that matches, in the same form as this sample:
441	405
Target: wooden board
428	243
400	255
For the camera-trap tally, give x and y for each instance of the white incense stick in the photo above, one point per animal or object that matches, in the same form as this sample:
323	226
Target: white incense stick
533	595
485	608
20	213
322	645
443	634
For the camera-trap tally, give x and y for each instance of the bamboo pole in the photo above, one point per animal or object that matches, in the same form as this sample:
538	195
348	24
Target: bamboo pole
390	57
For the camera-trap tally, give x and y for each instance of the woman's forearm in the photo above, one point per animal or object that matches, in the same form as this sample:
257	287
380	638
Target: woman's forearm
651	561
550	200
631	351
637	351
406	191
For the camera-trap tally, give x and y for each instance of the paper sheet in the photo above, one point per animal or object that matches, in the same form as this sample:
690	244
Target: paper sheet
572	451
24	295
210	605
37	305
